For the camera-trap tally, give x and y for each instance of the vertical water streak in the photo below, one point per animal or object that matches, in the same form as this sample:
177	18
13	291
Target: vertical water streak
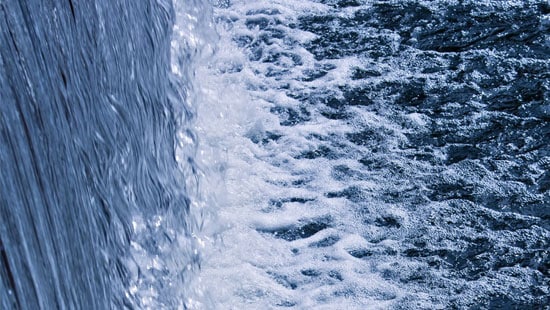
94	206
193	47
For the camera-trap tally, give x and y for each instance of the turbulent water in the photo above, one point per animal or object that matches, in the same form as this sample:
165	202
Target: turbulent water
307	154
394	154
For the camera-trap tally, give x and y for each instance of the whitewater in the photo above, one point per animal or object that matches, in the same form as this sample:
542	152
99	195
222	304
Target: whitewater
380	155
282	154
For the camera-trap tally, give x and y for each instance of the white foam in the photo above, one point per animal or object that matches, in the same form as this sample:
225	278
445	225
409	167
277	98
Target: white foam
274	179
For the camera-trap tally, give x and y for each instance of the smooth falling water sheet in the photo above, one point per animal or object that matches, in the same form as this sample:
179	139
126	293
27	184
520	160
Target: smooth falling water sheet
94	206
274	154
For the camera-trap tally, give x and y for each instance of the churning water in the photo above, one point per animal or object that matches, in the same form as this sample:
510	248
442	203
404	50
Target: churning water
312	154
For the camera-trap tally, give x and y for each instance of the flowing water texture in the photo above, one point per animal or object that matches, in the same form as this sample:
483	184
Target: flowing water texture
388	154
98	175
312	154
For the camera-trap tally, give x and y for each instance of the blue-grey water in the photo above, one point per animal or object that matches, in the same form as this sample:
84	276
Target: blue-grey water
312	154
89	113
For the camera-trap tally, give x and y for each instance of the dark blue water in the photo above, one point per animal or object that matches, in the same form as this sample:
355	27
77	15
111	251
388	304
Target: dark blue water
376	154
403	149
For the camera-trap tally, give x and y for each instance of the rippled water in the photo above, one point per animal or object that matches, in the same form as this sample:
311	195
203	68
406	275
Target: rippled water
314	154
394	154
